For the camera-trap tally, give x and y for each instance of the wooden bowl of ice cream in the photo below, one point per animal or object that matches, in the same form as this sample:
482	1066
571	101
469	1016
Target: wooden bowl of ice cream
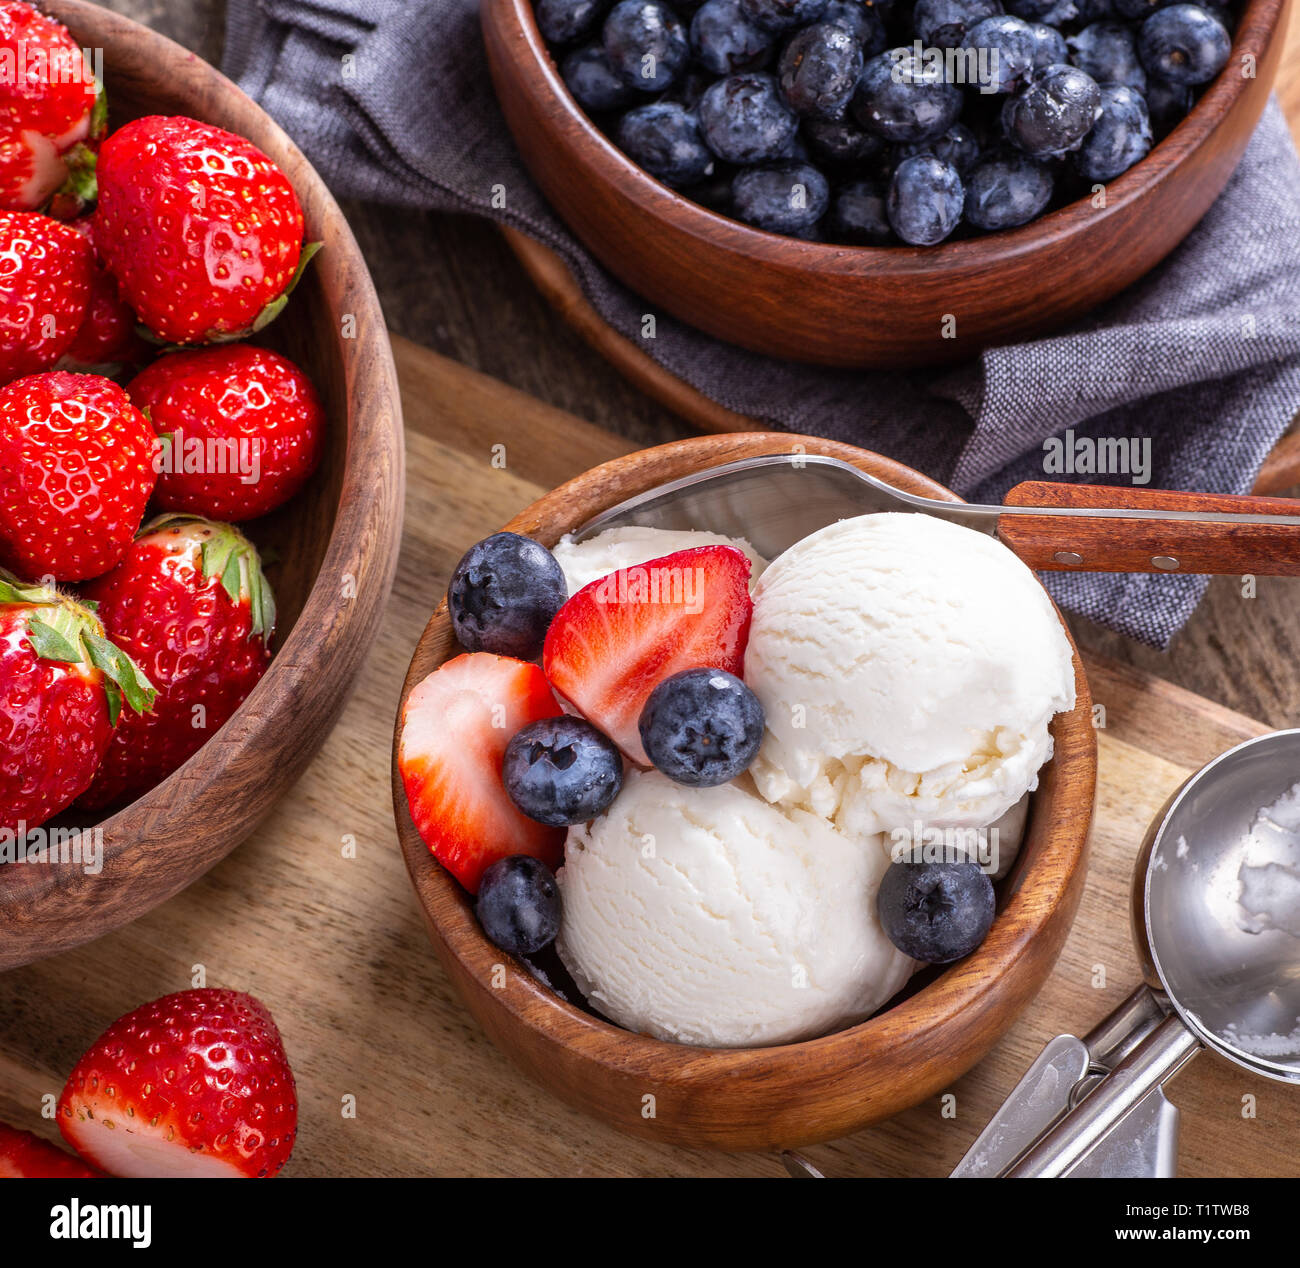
785	1094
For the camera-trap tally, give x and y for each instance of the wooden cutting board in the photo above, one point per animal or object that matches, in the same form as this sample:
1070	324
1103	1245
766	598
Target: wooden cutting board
314	914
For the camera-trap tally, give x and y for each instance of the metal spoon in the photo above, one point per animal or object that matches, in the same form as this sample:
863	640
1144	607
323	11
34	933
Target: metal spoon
1094	1106
776	499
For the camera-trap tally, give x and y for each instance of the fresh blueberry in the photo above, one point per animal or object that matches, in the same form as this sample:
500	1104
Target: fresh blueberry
1167	104
925	200
1184	44
819	69
1011	47
784	198
744	119
1054	113
519	904
702	727
1007	189
1050	12
862	21
840	143
1049	46
1095	11
783	15
944	23
561	770
646	43
563	21
935	912
592	80
958	146
1139	10
725	41
858	217
1108	52
902	98
1119	138
503	595
664	138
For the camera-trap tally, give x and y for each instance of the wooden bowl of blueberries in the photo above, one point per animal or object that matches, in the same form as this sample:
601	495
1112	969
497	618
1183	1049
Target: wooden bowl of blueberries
881	183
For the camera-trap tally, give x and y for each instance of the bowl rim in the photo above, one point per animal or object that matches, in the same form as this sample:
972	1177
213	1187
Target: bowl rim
956	989
1255	28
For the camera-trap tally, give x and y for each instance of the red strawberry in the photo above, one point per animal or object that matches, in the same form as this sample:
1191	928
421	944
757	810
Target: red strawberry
76	470
243	429
45	273
52	113
26	1156
615	640
202	231
62	684
193	1084
455	727
190	603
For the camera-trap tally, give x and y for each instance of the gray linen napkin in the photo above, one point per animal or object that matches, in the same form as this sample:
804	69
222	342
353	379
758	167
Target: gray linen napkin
392	102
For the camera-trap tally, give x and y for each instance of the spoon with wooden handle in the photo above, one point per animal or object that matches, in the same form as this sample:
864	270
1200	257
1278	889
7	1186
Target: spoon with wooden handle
775	500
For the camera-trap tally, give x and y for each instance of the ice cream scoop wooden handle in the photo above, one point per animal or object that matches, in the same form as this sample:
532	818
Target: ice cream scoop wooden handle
1084	543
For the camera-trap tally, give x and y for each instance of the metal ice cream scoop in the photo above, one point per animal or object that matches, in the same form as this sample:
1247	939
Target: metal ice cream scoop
776	499
1222	968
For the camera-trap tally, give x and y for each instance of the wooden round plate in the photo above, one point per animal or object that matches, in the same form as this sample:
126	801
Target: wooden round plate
760	1098
336	543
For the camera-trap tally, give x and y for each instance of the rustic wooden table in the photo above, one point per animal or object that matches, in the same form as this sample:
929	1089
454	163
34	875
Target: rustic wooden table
334	942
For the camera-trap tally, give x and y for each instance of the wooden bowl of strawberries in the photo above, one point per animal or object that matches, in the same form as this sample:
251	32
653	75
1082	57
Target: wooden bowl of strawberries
201	471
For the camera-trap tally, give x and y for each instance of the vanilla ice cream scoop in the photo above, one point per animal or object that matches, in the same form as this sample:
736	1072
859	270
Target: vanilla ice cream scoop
909	669
708	916
626	547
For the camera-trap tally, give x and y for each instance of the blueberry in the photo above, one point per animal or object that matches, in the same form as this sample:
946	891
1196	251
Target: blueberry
902	98
784	198
1184	44
726	41
1167	104
944	23
958	146
783	15
1050	12
744	120
562	770
1049	46
1119	138
1006	189
925	200
664	138
1108	52
702	726
503	595
819	69
862	21
1095	11
563	21
646	43
593	81
1054	113
841	143
1011	47
935	912
519	904
1139	10
858	217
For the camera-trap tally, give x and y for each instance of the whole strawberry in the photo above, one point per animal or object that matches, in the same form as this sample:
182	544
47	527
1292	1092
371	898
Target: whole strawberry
193	1084
202	231
62	690
190	603
52	113
76	470
45	276
242	429
107	342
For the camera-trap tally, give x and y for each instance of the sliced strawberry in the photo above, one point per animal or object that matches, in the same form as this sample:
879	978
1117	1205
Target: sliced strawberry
26	1156
455	728
615	640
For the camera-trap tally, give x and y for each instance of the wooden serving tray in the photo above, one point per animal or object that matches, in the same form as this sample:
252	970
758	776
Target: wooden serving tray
335	946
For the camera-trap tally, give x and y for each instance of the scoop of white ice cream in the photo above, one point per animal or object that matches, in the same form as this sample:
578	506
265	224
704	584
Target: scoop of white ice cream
588	561
708	916
909	668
